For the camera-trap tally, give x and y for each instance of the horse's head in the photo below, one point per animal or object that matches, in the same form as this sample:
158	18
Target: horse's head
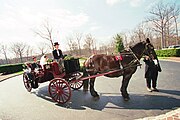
143	48
149	49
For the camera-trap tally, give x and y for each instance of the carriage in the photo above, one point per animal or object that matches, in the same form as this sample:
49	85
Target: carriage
62	81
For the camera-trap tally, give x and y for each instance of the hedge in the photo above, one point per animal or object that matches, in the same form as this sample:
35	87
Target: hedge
168	53
11	68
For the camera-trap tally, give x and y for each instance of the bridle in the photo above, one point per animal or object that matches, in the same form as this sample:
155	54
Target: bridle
136	60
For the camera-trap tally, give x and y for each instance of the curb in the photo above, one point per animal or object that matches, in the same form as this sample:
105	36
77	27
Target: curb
8	76
172	115
169	60
172	59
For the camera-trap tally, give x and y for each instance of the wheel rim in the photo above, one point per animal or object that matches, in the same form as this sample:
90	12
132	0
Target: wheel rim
76	85
27	82
59	90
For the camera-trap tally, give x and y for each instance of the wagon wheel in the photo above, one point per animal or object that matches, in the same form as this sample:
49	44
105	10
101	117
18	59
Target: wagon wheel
76	85
59	90
27	82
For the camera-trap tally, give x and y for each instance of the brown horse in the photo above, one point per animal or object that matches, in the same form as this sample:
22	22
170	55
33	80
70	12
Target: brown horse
101	63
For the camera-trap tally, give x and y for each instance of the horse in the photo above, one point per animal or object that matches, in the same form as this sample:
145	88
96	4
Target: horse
101	63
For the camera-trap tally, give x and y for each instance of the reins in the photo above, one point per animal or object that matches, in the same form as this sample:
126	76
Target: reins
136	58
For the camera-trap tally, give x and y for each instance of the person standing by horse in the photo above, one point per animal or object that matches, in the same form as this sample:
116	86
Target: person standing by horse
152	67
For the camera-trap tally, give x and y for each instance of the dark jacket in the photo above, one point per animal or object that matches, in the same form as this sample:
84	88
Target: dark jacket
35	65
150	68
55	55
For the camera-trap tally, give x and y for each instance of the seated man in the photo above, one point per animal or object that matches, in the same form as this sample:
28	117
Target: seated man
58	56
35	65
57	53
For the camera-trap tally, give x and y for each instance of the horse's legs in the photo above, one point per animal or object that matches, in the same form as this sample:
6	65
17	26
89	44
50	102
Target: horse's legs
85	82
92	90
85	85
125	82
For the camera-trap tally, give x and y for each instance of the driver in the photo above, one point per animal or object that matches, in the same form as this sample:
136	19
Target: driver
57	53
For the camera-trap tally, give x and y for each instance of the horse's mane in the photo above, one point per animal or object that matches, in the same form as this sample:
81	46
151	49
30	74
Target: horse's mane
137	44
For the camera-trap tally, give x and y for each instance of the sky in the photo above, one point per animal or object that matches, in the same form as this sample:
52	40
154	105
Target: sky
101	18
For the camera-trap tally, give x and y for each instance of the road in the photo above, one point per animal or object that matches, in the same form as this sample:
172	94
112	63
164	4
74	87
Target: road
17	104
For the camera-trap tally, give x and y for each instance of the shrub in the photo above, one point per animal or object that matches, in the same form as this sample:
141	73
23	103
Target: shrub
11	68
168	53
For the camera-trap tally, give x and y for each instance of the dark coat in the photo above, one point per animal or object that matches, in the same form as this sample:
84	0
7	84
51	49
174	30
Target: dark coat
55	55
35	65
151	69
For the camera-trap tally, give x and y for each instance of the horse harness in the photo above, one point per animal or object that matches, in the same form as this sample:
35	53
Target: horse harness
135	62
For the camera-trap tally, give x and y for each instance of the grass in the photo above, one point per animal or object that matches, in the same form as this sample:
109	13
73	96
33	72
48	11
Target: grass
163	57
19	73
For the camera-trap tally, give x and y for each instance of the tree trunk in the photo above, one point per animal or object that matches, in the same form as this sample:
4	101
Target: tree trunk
176	30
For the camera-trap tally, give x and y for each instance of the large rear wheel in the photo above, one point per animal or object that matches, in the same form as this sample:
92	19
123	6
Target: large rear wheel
59	90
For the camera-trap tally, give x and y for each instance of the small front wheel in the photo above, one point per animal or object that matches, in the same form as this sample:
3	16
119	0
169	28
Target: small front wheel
27	81
59	90
76	85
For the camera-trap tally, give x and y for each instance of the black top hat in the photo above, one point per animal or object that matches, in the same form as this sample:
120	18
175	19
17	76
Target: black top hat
56	43
147	40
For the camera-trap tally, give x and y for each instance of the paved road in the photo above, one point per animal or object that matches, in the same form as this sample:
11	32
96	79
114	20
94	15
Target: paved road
17	104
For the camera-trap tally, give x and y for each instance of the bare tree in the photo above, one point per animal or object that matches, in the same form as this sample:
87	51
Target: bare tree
78	37
89	43
4	52
27	51
73	46
46	32
175	14
161	19
42	47
19	48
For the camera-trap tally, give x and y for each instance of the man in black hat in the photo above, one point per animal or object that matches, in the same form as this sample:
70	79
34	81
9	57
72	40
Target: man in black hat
57	53
152	67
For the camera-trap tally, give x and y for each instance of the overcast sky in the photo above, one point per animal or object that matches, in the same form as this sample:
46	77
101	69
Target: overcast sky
102	18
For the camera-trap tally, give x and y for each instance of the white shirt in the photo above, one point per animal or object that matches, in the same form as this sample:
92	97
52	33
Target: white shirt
57	52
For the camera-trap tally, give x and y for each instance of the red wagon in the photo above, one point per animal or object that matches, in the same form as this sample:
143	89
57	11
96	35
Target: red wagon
61	83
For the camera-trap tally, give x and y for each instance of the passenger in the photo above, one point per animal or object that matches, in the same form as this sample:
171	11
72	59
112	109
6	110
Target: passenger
43	61
35	65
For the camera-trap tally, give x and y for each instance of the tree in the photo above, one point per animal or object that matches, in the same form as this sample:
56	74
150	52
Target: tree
43	48
90	44
27	51
119	43
73	46
46	33
19	48
78	37
4	52
161	19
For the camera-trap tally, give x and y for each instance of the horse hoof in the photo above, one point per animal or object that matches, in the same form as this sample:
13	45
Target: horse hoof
126	99
85	90
96	98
